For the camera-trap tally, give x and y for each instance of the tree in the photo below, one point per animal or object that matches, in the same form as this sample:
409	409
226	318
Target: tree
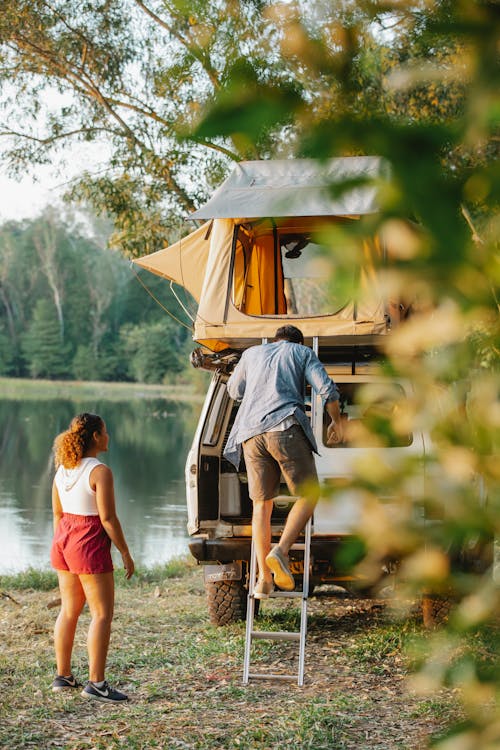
45	241
42	347
99	56
7	354
154	351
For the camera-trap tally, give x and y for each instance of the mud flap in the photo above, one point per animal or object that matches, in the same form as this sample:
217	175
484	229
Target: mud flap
225	572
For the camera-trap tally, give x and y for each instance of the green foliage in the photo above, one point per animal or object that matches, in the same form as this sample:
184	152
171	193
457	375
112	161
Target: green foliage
152	350
7	355
38	580
66	304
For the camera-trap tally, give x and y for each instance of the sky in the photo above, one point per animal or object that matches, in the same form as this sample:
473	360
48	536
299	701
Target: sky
27	198
45	185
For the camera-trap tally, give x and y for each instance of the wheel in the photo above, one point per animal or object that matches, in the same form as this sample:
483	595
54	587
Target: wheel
227	601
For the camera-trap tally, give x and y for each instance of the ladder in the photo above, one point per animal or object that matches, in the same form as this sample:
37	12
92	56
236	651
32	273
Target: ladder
299	636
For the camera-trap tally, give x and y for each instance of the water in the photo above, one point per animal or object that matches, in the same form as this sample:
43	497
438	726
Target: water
149	440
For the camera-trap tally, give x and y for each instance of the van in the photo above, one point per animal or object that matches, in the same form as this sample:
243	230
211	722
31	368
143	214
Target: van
220	510
276	246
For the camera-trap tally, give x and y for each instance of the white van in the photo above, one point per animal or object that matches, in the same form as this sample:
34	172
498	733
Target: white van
220	510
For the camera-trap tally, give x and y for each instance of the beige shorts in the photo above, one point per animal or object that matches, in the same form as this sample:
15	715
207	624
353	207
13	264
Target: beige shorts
272	454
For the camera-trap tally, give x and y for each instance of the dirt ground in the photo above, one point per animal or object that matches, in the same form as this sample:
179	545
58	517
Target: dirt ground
184	677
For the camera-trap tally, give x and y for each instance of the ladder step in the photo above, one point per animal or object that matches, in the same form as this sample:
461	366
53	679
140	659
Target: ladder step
298	545
287	595
275	635
271	676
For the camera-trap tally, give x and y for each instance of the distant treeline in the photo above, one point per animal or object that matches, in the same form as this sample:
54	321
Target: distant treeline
70	308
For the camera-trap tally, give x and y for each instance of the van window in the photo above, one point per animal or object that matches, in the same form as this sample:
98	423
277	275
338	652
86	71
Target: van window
373	415
213	425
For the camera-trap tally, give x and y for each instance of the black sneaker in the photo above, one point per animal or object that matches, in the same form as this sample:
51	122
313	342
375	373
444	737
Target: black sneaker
64	683
106	694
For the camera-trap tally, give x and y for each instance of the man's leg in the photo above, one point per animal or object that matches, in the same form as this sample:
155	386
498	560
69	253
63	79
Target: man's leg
261	533
263	474
293	453
299	515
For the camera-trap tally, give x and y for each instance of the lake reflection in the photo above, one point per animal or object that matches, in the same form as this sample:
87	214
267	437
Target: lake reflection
149	440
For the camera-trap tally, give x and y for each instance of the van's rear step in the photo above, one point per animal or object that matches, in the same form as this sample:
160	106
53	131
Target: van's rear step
238	548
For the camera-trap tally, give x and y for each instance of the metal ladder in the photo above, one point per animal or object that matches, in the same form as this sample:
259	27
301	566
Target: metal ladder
299	636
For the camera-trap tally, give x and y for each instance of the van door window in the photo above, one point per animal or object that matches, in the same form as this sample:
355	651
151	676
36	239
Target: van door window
213	425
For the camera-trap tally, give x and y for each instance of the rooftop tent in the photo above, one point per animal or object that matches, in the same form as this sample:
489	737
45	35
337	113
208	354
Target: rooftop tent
260	260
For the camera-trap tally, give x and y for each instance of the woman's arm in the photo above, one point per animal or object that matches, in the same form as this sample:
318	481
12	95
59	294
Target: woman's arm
57	510
102	476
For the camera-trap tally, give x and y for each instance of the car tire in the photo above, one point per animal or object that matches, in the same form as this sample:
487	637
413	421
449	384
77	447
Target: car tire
227	601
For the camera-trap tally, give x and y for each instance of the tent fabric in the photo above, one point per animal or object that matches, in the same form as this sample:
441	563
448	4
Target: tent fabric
183	262
297	187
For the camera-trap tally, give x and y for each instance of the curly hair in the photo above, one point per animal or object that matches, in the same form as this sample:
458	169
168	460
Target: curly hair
71	445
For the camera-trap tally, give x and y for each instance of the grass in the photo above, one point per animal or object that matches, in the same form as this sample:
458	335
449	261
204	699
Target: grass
184	676
31	578
46	580
72	390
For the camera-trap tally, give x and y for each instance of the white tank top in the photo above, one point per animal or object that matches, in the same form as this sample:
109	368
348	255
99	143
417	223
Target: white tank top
73	485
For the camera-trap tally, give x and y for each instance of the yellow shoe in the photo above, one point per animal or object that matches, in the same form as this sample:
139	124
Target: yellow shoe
278	563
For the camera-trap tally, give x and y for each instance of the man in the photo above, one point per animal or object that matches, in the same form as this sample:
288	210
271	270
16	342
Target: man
277	438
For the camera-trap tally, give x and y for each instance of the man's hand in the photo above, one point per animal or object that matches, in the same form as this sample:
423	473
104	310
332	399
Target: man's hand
335	433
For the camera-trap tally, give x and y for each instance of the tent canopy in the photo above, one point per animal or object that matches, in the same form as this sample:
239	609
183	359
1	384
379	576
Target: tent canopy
183	262
297	187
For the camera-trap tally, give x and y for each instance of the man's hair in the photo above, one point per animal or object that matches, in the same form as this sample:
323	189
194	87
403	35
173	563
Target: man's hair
289	333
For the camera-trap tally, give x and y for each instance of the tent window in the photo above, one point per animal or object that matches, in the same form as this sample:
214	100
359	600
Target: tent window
306	272
283	272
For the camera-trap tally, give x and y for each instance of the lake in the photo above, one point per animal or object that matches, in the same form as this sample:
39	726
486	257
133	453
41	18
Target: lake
149	440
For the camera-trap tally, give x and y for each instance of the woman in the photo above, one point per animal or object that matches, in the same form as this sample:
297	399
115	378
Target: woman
85	524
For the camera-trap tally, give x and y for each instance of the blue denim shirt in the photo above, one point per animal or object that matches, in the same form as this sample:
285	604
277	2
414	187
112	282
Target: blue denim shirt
269	380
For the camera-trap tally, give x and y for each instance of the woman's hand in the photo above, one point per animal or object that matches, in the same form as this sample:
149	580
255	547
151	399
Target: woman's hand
128	564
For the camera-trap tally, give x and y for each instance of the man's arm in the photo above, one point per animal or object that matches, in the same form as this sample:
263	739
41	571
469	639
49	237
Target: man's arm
237	382
323	385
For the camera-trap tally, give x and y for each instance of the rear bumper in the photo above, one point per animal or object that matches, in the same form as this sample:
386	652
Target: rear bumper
238	548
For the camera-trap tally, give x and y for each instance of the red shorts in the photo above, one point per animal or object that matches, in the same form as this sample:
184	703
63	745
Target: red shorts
81	545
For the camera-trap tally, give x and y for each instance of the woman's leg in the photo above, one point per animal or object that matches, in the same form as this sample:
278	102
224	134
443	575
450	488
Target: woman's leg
72	601
100	593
